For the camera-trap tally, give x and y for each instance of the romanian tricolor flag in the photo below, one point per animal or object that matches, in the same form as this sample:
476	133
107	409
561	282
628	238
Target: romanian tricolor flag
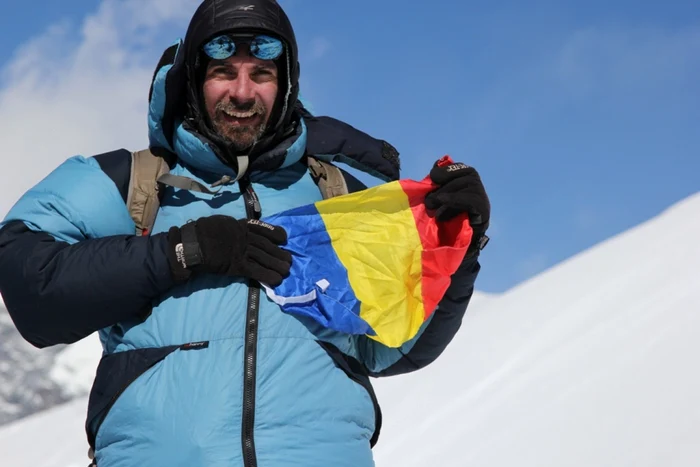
372	262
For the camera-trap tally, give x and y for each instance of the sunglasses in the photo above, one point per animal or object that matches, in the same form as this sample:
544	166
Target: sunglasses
260	46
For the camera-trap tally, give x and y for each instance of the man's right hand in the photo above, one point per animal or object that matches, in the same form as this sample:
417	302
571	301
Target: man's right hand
230	247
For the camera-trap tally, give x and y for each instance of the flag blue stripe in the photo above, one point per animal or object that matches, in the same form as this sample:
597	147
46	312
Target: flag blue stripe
314	260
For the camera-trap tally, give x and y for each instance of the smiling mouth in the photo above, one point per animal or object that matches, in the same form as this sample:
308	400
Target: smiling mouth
242	118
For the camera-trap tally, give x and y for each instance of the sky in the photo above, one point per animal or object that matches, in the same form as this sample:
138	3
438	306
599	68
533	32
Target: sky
582	119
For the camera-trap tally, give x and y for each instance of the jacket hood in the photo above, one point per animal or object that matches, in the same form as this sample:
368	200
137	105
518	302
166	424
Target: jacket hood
180	107
170	128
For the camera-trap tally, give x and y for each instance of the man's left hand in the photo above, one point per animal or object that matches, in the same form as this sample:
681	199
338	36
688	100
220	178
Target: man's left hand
460	190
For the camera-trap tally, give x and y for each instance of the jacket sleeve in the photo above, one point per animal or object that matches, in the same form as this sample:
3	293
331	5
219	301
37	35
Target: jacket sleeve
68	267
433	337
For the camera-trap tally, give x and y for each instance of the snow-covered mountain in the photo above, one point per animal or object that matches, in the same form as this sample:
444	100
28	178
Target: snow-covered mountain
33	380
24	385
592	363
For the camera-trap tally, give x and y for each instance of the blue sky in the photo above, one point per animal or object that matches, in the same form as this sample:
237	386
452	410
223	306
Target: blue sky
583	119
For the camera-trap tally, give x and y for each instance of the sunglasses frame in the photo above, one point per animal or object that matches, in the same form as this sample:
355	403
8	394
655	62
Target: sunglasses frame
229	43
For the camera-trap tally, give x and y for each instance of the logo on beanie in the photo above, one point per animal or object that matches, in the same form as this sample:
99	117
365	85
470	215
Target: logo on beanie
244	8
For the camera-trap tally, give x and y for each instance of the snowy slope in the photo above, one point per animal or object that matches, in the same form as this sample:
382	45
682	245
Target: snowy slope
53	438
593	362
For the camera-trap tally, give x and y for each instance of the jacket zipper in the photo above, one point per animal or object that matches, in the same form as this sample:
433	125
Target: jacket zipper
253	211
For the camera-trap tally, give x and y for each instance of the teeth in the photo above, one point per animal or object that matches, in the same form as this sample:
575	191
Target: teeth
234	114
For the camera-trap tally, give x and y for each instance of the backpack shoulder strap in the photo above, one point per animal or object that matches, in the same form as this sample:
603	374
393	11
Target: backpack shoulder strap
328	177
143	195
147	169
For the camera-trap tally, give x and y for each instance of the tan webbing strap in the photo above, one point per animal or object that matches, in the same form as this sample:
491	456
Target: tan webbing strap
328	177
142	199
148	169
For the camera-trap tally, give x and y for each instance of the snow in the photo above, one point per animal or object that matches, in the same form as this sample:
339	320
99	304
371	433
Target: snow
74	367
593	362
53	438
24	386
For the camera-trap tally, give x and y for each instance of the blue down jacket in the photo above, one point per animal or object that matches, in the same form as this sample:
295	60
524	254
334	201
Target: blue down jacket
205	373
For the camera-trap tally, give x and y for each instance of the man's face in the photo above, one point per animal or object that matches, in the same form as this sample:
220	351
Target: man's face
239	94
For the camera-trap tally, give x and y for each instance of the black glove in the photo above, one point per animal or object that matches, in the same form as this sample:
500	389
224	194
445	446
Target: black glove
230	247
460	190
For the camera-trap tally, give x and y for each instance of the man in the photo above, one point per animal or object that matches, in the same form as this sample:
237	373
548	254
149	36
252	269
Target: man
199	367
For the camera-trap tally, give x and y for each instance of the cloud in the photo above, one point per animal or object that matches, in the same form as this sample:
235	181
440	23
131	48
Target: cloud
320	46
600	69
81	89
532	265
628	59
587	219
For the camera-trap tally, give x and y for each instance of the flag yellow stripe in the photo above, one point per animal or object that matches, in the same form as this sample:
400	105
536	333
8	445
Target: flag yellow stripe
373	233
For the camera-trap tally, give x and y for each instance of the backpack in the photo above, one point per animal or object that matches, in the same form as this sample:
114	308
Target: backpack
149	172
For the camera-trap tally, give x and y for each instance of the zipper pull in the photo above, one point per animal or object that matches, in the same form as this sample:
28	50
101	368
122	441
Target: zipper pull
255	200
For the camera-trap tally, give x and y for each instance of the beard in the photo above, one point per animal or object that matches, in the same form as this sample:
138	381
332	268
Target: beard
241	135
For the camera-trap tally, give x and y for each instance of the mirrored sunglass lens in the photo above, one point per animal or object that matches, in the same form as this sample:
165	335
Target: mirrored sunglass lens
266	48
220	48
